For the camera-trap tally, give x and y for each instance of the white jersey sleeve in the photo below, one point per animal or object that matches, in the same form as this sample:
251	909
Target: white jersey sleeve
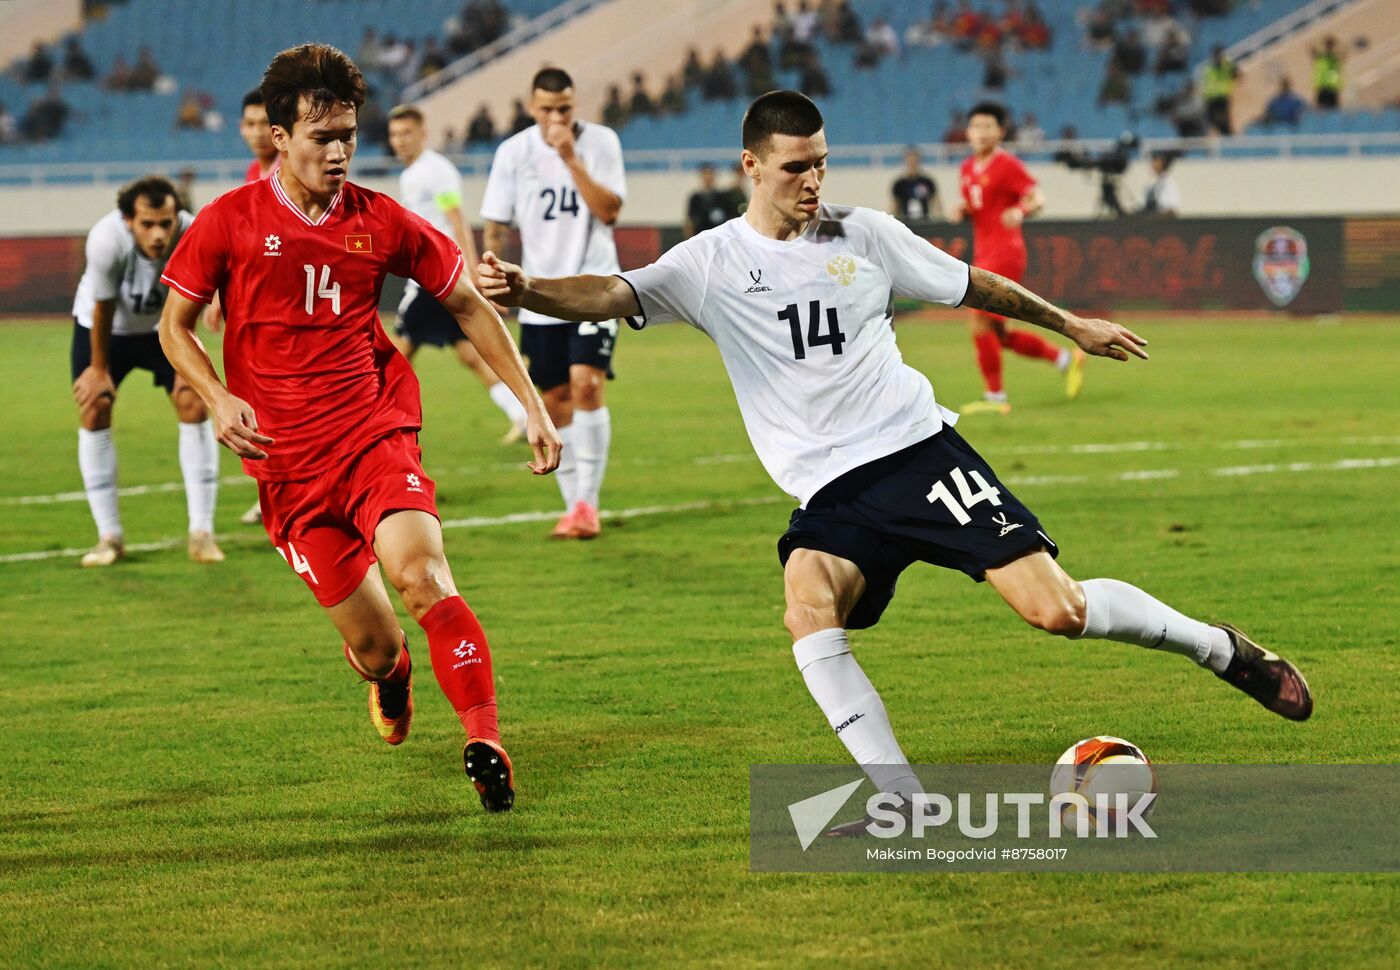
917	268
498	203
673	287
106	253
604	160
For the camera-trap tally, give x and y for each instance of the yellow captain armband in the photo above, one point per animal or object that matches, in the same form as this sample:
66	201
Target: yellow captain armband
447	201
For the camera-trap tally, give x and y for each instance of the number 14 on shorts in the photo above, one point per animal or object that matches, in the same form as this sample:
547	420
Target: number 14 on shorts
966	497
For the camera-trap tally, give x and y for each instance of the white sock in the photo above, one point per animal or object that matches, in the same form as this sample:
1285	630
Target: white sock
592	438
853	709
507	402
996	397
567	472
97	460
199	464
1117	611
1062	361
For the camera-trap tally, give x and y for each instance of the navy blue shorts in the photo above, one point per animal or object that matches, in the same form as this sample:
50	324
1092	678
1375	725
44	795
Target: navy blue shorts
426	322
124	354
937	502
553	347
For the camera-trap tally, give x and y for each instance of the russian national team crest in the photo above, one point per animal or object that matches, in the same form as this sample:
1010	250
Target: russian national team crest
842	269
1281	263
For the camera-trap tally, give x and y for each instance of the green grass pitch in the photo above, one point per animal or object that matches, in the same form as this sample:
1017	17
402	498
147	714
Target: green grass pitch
190	778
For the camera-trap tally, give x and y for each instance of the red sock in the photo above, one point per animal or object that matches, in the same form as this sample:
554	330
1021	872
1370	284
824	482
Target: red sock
989	360
1031	345
462	664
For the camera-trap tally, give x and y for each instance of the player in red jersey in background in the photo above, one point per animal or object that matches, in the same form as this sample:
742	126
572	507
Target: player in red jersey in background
998	193
322	409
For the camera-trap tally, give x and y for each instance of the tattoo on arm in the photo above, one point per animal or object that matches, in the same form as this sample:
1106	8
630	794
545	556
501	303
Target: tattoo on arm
997	294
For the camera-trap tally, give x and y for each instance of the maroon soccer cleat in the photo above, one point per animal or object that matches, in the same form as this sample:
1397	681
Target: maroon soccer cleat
1266	677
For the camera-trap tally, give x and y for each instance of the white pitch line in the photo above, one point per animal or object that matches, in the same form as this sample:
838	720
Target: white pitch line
705	505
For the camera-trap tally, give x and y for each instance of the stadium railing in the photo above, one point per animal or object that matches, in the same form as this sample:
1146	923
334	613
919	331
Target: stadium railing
686	159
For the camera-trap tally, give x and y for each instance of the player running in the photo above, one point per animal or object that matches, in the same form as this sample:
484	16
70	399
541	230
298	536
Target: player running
325	412
561	181
431	187
840	422
115	313
998	194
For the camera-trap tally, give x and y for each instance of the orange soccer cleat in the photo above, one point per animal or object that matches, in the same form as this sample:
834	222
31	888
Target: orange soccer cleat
586	524
390	702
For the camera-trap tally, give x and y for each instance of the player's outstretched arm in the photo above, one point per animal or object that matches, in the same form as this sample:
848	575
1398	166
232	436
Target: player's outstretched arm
997	294
483	327
568	298
235	425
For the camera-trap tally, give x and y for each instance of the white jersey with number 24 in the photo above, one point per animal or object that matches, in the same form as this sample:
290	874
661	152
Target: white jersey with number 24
806	331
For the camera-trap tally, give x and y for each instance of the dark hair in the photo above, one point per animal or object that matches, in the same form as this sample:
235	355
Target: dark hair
408	111
155	189
551	79
991	109
780	113
319	72
253	97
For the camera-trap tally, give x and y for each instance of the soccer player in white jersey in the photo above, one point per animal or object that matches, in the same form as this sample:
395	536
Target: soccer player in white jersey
115	313
431	186
561	182
798	296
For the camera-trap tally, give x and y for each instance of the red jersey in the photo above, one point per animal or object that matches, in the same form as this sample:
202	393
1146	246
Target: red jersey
988	190
255	172
303	343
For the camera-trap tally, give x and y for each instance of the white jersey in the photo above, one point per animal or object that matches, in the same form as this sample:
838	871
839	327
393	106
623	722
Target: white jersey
117	270
429	188
806	330
531	186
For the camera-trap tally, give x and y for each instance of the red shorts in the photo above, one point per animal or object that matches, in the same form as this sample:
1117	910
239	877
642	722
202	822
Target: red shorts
324	527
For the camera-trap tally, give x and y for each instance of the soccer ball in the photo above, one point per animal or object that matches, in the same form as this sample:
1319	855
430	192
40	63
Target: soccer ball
1102	769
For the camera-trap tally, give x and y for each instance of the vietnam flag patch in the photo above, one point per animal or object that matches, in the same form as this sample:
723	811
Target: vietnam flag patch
359	244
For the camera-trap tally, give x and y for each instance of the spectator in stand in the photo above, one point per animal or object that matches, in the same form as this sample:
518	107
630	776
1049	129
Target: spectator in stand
1327	74
190	113
393	54
719	80
693	71
145	72
77	66
1175	53
615	114
373	122
757	64
184	190
931	32
672	100
119	78
9	128
46	116
1285	108
966	26
995	71
39	68
1029	134
521	118
1129	52
956	132
914	195
1187	112
640	105
481	128
370	52
813	80
1035	34
845	25
434	58
1219	87
412	68
1117	87
1210	8
1099	27
1163	198
880	42
709	206
804	23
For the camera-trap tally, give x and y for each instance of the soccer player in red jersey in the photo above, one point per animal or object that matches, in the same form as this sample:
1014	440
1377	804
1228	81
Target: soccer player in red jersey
998	193
323	410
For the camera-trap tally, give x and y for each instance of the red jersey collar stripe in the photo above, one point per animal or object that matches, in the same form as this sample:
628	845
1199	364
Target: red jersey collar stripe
282	197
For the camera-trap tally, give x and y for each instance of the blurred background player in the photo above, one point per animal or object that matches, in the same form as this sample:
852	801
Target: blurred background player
431	186
710	206
914	195
561	181
115	313
998	193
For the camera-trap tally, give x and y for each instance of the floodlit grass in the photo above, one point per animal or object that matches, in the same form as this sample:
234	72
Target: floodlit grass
191	780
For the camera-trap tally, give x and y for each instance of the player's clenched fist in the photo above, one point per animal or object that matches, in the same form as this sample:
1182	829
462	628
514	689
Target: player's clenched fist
503	282
236	428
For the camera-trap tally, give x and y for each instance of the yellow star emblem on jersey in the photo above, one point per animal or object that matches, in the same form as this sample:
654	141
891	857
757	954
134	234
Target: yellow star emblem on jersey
359	243
842	269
